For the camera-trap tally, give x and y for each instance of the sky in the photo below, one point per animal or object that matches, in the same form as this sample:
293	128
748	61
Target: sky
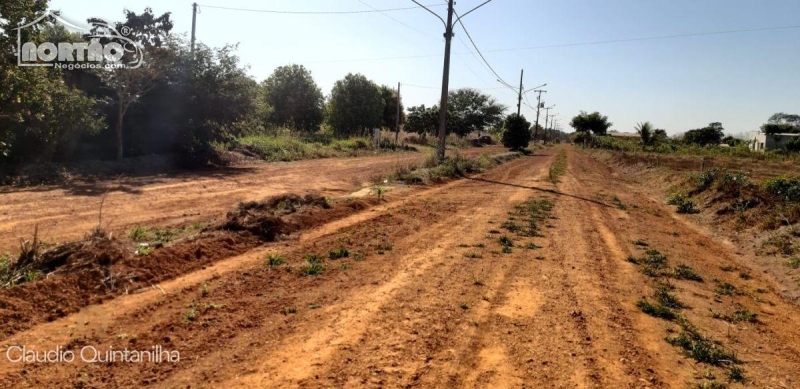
679	83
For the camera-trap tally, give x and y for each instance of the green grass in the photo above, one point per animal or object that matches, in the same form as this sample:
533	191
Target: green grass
290	148
685	272
313	266
725	289
558	167
505	241
701	348
138	234
793	263
339	253
741	314
656	310
274	260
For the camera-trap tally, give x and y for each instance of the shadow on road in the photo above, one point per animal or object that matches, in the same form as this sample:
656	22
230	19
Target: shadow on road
555	192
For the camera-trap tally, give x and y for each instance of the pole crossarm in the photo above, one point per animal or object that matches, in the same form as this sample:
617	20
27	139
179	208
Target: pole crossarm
470	11
429	10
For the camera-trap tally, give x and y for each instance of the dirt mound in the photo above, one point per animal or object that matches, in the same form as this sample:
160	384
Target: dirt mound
264	219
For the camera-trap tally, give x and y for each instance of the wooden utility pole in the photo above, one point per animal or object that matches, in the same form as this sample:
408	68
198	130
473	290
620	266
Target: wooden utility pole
194	23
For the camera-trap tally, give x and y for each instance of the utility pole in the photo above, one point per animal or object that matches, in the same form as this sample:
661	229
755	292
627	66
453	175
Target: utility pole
448	35
545	119
397	119
519	99
538	105
194	23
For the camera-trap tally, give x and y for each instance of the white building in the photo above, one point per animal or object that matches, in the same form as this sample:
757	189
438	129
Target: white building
760	141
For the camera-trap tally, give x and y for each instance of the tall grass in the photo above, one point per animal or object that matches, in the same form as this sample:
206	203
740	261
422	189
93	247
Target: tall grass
285	148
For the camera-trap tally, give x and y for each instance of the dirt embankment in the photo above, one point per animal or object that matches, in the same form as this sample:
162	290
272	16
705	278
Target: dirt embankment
730	202
101	267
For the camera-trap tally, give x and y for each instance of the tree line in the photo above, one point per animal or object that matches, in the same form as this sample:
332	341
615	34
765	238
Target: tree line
592	124
179	101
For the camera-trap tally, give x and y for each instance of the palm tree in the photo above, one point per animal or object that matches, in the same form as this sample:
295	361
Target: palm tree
645	131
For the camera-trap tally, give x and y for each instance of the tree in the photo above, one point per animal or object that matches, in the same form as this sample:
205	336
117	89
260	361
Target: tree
469	110
389	116
295	97
517	132
355	106
645	131
660	136
591	122
422	120
38	110
710	135
131	84
782	123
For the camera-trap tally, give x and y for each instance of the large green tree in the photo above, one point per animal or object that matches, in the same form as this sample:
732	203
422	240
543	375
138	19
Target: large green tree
516	134
593	122
469	110
355	106
295	97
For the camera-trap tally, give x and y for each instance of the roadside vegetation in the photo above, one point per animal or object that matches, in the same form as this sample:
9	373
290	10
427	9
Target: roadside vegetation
665	305
709	141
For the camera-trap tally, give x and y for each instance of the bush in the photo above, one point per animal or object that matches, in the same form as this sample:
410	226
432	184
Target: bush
683	203
786	189
517	134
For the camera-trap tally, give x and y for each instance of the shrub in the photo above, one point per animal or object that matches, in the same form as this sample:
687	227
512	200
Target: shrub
786	189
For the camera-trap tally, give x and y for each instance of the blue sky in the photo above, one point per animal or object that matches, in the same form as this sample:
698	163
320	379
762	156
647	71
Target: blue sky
739	79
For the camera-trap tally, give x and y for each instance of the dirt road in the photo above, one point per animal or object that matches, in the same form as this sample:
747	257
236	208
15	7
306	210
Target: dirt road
429	297
67	212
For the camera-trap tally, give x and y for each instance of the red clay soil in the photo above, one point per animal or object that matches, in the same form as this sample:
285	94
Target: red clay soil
428	297
100	268
66	212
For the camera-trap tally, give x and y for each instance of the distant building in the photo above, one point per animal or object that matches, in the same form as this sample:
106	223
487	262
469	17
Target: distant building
627	135
760	141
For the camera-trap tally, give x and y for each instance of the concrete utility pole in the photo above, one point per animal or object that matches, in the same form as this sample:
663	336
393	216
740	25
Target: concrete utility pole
194	23
519	98
448	36
538	105
397	119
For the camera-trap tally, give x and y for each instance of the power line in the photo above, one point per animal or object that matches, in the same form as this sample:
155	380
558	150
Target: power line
575	44
463	27
316	12
383	12
645	38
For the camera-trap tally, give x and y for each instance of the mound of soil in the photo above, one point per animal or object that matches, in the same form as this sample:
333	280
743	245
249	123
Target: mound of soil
100	267
264	219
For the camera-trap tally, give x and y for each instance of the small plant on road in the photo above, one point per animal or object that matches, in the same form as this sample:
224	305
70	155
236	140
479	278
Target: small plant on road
684	272
559	167
274	260
313	266
741	314
339	253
